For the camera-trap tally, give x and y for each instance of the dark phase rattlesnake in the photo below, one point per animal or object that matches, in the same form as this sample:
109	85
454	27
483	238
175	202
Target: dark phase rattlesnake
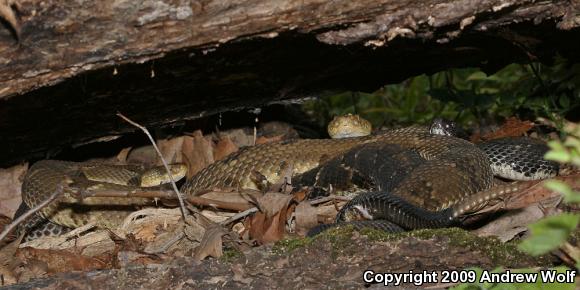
446	174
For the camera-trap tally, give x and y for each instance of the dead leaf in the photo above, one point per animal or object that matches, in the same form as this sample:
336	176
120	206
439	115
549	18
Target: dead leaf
512	127
273	202
275	128
264	140
10	183
143	155
4	221
267	230
240	137
123	155
7	12
197	151
64	261
269	225
171	150
511	224
306	217
9	262
211	244
538	193
223	148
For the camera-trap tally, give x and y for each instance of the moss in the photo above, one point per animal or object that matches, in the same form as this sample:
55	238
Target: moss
501	254
230	254
289	245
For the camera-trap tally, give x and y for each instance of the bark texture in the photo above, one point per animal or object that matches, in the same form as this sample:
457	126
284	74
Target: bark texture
159	61
329	263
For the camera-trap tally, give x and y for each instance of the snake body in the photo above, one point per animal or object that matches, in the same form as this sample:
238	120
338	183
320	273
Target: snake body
444	176
47	176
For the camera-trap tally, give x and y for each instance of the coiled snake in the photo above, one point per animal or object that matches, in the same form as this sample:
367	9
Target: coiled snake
436	178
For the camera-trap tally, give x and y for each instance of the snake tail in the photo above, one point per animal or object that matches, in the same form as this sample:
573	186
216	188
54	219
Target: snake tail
381	205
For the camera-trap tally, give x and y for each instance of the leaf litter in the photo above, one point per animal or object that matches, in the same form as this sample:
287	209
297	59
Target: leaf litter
154	234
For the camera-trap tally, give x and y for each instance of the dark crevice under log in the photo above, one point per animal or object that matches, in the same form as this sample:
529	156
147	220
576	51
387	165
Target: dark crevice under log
58	88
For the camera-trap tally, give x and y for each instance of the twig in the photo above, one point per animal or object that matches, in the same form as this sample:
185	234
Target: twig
239	216
179	196
218	203
329	198
195	200
30	212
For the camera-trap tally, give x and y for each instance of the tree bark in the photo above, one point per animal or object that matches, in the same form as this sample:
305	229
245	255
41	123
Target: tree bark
158	61
324	264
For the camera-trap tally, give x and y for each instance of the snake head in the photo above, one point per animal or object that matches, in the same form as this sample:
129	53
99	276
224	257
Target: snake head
158	175
441	126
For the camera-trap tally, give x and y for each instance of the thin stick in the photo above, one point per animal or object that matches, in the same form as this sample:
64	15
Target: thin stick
329	198
239	216
218	203
195	200
179	196
30	212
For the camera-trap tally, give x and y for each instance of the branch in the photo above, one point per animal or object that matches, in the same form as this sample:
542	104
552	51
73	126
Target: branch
179	196
30	212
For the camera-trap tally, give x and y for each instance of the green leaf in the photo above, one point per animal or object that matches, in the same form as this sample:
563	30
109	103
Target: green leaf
504	286
549	233
558	156
558	152
565	189
477	76
572	142
564	101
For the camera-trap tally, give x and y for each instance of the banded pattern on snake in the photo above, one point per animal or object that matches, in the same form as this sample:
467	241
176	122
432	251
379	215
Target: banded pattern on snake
443	173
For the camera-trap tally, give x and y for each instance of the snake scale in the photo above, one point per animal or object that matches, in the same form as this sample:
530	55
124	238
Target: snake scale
443	177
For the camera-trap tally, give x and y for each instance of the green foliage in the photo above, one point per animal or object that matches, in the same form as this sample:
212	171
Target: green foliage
552	232
549	233
465	95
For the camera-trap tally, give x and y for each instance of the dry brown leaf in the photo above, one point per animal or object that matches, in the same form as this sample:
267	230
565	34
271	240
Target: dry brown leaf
10	183
170	150
270	224
4	221
123	155
512	127
240	137
306	217
539	193
143	155
511	224
9	262
65	261
274	128
223	148
194	228
272	203
276	228
211	244
7	13
198	152
264	140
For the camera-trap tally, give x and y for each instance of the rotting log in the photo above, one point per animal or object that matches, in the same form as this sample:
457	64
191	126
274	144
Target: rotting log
325	263
79	62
